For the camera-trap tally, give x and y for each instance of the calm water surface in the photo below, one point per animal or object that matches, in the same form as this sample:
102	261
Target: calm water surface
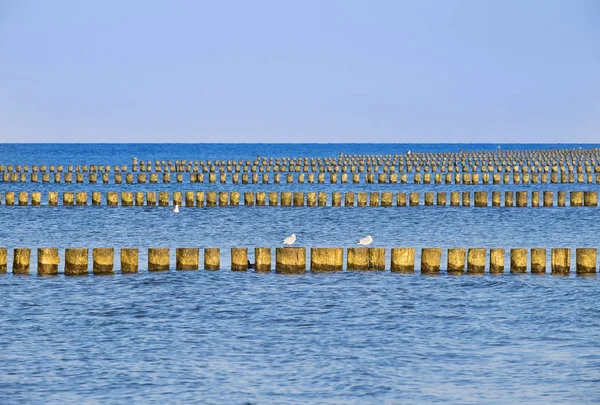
236	338
223	337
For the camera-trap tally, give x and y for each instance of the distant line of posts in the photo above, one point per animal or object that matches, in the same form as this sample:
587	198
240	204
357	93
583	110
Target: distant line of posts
311	178
311	199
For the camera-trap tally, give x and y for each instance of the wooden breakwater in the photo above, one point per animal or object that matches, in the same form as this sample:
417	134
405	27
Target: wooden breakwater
561	162
309	199
475	178
294	260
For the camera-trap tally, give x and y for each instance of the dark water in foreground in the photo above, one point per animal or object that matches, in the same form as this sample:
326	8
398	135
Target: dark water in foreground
345	338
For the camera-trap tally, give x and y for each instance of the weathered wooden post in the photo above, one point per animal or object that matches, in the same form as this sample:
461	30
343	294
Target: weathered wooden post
47	261
454	198
430	260
561	261
576	198
23	198
521	199
414	198
103	260
590	198
509	199
466	198
262	257
76	262
518	260
212	258
376	258
239	259
357	259
548	198
362	199
476	260
3	260
187	258
496	199
496	261
403	260
290	260
456	260
538	260
585	260
158	259
481	198
326	259
129	260
21	260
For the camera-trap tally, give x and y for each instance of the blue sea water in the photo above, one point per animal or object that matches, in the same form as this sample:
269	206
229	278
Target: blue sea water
350	337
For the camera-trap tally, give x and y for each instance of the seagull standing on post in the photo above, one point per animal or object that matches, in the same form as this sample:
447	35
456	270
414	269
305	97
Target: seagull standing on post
290	240
366	241
176	209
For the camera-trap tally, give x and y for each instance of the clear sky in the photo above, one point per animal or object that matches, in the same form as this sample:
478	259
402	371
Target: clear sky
300	71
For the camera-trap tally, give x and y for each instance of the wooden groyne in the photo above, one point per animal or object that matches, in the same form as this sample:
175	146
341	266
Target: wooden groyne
506	167
336	177
294	260
308	199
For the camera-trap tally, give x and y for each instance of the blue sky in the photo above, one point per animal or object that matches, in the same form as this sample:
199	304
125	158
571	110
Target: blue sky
300	71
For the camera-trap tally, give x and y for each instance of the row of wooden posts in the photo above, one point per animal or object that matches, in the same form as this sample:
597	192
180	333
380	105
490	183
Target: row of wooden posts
335	167
399	161
318	165
482	159
448	158
293	260
332	178
311	199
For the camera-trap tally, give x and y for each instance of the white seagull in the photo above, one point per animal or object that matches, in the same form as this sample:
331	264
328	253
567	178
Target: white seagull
290	240
366	241
176	209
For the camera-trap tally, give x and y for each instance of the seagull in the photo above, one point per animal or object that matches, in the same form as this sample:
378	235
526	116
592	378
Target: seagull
366	241
176	209
290	240
250	265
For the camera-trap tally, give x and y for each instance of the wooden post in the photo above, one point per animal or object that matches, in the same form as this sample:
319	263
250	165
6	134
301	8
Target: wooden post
158	259
290	260
476	260
129	260
430	260
103	260
496	261
326	259
76	262
21	260
538	260
262	257
47	261
561	261
239	259
187	258
403	260
456	260
518	260
212	258
586	260
3	260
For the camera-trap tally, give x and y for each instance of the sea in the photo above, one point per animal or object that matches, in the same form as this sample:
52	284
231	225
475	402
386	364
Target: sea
223	337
